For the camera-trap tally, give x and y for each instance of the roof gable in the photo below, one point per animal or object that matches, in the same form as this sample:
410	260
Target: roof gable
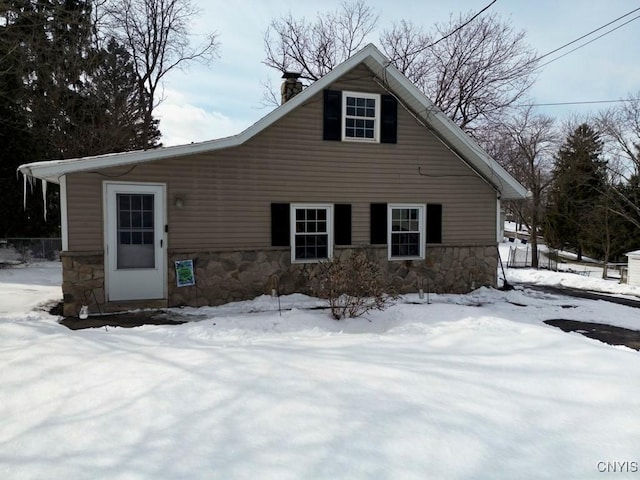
387	76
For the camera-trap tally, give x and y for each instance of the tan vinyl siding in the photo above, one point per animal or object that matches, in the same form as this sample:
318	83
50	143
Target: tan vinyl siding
227	194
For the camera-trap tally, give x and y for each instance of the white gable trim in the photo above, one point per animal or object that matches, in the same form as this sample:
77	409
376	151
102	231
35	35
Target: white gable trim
391	78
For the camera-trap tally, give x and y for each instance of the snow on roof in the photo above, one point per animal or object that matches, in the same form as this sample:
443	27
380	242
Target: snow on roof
390	78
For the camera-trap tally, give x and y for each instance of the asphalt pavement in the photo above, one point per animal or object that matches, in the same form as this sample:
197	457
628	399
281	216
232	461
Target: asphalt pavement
598	331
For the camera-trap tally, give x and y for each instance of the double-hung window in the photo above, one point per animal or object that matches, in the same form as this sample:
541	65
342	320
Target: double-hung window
361	117
311	232
406	231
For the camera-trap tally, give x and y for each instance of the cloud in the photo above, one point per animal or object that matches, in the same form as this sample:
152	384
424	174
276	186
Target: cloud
182	122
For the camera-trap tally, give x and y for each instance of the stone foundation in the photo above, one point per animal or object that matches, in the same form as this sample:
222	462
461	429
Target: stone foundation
223	277
82	281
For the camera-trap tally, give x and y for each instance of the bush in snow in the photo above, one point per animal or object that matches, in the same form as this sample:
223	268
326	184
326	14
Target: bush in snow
353	285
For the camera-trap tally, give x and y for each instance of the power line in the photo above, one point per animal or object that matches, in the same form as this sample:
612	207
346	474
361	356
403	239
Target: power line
587	43
461	26
586	102
587	34
457	29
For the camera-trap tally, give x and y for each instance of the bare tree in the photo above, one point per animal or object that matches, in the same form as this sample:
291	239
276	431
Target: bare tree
156	33
524	145
620	127
473	67
314	48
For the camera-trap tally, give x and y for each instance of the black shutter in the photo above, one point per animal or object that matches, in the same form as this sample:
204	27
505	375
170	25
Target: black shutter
389	119
378	223
332	115
280	226
342	224
434	223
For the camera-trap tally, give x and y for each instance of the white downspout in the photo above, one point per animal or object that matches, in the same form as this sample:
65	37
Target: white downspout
64	229
499	222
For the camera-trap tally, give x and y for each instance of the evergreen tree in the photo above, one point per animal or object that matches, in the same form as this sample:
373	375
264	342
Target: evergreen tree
579	181
106	115
19	144
115	85
61	96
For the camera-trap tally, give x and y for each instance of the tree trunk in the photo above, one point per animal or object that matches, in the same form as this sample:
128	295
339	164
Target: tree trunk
607	245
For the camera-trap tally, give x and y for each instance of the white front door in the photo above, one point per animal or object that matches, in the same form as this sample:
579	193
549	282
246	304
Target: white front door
135	263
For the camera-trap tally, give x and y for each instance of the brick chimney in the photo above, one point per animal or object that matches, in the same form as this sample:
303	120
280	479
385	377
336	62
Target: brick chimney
291	86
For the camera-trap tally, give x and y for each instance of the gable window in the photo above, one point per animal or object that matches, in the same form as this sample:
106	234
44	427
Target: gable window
361	117
368	117
311	232
406	230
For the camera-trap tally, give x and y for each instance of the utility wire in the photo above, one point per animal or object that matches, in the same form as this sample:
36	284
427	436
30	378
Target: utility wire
586	102
587	34
578	47
457	29
587	43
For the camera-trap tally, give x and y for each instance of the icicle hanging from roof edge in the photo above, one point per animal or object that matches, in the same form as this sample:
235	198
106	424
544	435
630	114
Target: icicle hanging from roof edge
44	198
31	180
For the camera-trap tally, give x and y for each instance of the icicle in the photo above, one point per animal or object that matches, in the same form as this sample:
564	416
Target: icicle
30	180
24	192
44	198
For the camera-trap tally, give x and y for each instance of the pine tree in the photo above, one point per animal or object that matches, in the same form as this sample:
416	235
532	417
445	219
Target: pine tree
106	115
579	182
62	95
16	127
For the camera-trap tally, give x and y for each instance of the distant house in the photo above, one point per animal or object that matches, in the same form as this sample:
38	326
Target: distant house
633	268
360	158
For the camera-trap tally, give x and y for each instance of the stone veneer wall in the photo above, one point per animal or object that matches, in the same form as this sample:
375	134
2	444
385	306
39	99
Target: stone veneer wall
223	277
82	281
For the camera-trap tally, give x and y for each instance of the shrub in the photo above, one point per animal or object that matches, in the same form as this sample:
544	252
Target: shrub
353	285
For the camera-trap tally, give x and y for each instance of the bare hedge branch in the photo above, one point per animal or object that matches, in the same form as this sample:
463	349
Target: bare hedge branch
353	285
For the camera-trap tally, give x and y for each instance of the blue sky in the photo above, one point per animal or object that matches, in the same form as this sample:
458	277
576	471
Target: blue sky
206	102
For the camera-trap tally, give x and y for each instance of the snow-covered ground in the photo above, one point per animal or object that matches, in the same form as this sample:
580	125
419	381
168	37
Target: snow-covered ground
466	387
23	287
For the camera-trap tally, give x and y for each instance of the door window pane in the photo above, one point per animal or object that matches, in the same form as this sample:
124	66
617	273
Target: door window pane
136	245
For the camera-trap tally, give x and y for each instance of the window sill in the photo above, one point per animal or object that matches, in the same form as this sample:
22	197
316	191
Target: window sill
401	259
315	260
360	140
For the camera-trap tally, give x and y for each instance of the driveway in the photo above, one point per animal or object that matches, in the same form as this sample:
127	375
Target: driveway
598	331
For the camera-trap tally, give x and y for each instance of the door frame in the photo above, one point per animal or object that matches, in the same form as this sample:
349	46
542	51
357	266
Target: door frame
130	187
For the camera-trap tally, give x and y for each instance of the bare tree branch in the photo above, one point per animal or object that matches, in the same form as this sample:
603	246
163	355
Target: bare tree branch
156	33
314	48
621	129
474	74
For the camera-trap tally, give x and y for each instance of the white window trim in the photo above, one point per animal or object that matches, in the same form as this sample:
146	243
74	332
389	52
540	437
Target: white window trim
421	225
292	218
376	119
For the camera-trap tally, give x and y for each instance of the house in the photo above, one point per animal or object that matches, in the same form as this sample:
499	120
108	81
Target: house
633	268
360	158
